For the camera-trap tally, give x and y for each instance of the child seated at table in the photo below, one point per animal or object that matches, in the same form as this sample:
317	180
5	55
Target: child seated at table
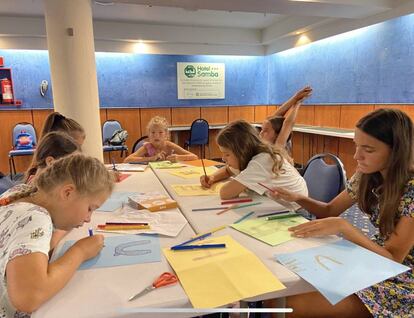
159	147
57	122
251	161
277	129
62	196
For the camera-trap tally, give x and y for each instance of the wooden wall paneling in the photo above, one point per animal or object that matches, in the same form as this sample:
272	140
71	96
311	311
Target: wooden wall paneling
297	147
271	109
215	115
241	112
213	150
148	113
184	116
408	109
8	119
318	144
260	113
350	114
307	147
331	145
129	118
306	115
39	117
327	116
346	150
103	115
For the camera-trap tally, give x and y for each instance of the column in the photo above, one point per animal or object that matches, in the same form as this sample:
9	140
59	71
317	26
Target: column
71	48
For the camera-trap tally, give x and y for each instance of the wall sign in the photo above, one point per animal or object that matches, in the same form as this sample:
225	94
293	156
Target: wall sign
200	80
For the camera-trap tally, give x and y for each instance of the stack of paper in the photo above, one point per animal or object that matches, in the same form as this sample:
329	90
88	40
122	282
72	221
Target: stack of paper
216	277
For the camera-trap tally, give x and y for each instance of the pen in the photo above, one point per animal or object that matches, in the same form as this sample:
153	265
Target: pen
90	231
195	247
244	217
273	213
286	216
237	201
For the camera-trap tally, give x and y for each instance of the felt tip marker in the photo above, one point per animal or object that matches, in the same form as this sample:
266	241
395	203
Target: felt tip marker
90	231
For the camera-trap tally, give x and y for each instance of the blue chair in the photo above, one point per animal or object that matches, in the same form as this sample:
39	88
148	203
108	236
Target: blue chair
199	135
324	181
18	129
108	129
138	144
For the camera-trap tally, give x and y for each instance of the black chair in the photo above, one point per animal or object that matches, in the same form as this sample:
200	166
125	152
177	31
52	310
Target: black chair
324	181
138	144
199	135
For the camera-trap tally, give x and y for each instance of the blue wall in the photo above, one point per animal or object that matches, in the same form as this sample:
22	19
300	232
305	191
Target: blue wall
371	65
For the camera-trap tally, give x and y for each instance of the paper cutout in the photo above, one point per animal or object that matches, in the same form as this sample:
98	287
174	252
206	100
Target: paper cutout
122	177
121	250
216	277
271	232
165	165
191	173
115	201
196	189
340	269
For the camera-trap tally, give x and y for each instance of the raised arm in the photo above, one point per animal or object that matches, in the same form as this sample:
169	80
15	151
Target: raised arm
287	126
298	97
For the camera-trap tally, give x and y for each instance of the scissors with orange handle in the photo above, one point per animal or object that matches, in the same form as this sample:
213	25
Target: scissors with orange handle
164	279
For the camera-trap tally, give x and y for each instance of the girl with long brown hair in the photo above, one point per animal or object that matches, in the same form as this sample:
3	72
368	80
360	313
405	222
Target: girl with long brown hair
383	187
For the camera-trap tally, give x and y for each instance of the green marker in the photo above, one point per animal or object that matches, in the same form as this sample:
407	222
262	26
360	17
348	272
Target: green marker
285	216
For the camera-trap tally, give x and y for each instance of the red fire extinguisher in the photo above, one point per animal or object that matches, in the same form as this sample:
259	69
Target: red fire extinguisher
6	91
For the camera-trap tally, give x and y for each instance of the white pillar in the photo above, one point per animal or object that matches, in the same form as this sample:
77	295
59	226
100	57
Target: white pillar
72	64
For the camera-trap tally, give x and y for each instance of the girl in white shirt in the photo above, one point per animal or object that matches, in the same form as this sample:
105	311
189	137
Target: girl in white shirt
63	196
250	161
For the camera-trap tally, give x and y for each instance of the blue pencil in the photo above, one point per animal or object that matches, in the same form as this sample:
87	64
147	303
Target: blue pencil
195	247
194	239
90	231
244	217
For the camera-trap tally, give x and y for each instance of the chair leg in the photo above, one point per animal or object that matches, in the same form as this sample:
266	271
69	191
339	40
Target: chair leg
10	167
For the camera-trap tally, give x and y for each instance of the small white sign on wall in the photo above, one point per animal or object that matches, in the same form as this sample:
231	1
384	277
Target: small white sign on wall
200	80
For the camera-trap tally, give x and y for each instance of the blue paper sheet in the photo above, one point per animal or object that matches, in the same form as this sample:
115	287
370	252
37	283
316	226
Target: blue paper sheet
122	250
340	269
115	201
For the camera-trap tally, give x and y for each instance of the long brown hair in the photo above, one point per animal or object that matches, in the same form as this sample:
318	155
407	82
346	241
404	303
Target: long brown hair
242	139
394	128
57	122
54	144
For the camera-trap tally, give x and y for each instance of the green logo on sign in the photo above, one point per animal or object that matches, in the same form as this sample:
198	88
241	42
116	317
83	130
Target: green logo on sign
190	71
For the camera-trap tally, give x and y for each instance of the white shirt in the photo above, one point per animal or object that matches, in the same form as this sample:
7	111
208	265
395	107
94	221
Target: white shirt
24	228
259	169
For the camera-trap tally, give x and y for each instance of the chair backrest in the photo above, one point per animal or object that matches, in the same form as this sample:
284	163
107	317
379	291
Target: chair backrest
108	129
199	132
324	181
24	127
138	144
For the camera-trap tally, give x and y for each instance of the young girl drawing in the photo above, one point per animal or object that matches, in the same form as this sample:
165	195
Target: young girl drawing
383	187
62	196
277	128
250	161
159	147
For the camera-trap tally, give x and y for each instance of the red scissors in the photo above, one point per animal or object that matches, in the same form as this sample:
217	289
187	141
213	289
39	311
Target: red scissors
164	279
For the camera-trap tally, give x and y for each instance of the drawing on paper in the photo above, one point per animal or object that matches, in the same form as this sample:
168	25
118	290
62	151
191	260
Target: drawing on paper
319	259
124	248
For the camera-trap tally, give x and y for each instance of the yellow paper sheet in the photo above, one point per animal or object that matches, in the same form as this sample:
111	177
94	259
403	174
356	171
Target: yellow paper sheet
193	172
196	189
216	277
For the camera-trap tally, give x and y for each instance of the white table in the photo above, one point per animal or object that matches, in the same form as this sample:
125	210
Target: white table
104	292
207	220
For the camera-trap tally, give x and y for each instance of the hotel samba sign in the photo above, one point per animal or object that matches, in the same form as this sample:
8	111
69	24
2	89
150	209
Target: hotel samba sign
200	80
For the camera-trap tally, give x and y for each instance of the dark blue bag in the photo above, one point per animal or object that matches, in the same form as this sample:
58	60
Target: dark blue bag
23	141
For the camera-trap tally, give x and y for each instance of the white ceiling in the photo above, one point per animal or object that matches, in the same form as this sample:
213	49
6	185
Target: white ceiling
261	26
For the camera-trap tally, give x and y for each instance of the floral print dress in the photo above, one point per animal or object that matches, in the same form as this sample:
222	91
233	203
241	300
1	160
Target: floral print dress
393	297
24	228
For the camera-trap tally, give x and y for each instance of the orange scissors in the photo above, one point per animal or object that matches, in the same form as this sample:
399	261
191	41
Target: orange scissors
164	279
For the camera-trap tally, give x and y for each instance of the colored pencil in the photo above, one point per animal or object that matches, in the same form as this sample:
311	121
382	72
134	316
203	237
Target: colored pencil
277	217
197	238
123	227
244	217
126	223
237	201
273	213
246	205
195	247
227	209
212	230
207	209
259	183
204	168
